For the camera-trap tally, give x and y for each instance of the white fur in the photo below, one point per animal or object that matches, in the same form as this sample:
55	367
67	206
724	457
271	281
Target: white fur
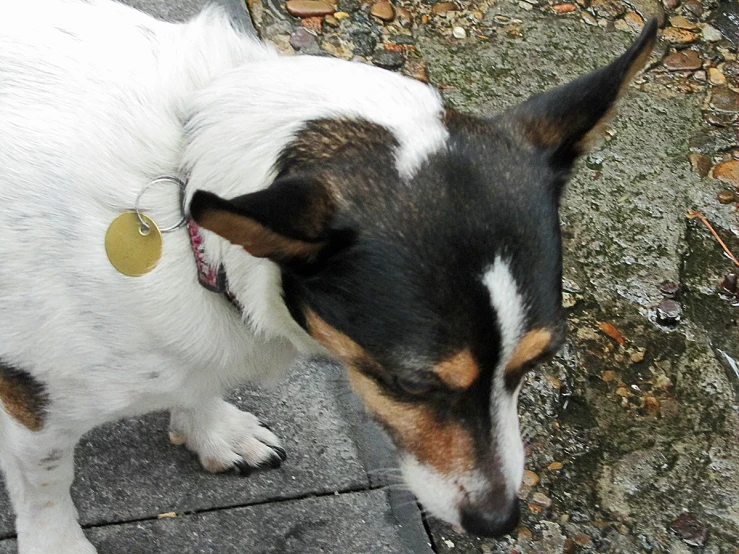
94	99
441	494
509	308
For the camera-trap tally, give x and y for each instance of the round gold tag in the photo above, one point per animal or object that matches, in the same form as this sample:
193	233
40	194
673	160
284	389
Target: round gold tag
132	250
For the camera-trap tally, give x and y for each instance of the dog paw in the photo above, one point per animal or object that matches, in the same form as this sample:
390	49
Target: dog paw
227	440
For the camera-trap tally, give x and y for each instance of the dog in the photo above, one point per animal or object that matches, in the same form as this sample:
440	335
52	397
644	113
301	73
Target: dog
328	206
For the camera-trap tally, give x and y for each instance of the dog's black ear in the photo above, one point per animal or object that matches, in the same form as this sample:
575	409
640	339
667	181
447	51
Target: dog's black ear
285	222
566	120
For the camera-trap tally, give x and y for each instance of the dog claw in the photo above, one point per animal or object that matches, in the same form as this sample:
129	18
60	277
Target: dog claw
263	424
274	462
242	468
280	452
176	438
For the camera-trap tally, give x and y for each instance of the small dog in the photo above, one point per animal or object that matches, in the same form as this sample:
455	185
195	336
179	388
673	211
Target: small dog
332	206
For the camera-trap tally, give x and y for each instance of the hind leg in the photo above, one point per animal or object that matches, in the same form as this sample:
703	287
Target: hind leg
225	438
39	470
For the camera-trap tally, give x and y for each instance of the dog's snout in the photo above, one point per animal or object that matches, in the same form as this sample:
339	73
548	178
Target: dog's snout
491	521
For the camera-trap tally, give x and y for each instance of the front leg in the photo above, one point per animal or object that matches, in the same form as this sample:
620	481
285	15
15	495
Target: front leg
39	469
225	438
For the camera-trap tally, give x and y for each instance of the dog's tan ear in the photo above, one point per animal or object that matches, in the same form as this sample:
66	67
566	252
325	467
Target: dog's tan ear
566	120
285	222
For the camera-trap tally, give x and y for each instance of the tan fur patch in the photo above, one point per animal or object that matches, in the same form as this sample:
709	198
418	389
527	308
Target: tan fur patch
445	446
531	346
23	398
257	239
459	371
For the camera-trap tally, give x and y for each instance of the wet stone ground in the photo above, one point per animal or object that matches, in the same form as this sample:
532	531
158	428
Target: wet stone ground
632	432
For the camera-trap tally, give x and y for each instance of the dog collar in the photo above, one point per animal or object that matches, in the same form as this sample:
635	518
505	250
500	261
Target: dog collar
210	277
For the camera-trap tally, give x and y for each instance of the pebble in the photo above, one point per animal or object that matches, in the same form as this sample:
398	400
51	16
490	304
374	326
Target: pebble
610	9
383	11
727	171
608	376
668	312
670	289
724	100
716	77
340	16
525	6
710	34
308	8
689	529
638	356
388	60
417	70
682	22
683	60
530	479
651	403
564	8
589	19
313	24
693	7
524	534
634	21
700	163
331	21
555	466
440	8
301	38
728	284
670	4
678	36
459	32
648	8
726	197
700	76
404	17
541	499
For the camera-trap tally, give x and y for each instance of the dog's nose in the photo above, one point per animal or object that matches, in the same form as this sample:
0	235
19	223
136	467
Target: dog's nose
481	520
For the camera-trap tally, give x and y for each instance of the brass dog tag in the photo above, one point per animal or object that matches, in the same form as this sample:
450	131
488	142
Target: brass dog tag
132	250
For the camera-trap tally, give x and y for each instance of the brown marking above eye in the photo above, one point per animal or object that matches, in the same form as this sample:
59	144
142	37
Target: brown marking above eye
448	447
459	371
529	348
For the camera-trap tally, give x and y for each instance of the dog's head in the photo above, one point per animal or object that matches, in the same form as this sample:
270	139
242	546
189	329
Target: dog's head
438	290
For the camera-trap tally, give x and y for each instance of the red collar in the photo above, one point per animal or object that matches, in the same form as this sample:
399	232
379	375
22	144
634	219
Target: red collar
212	278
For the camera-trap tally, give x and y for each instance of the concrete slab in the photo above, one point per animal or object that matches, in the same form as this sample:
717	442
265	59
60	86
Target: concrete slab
128	470
356	523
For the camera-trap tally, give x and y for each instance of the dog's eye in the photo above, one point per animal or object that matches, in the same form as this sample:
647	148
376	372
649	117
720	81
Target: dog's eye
414	387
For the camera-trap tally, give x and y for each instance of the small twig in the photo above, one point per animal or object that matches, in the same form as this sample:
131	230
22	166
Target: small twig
693	214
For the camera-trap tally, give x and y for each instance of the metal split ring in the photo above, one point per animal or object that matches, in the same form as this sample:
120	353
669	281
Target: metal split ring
163	179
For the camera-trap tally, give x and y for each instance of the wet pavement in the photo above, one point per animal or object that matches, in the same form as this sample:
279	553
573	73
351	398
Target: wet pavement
632	432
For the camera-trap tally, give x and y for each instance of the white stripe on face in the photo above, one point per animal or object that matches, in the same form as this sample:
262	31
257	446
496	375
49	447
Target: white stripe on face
509	308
